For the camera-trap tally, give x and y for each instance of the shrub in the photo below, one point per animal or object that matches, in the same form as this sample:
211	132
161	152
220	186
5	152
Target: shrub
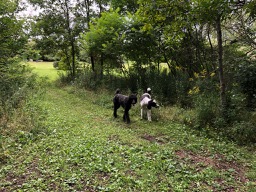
20	110
87	79
247	79
242	132
56	64
206	109
236	110
16	80
242	73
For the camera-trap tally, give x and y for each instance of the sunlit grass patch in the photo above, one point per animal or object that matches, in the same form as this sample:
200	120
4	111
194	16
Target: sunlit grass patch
45	69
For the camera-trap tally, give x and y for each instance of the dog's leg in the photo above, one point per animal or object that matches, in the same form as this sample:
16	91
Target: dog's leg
141	113
126	116
116	106
149	114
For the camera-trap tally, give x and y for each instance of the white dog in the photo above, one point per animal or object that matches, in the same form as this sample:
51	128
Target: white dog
146	103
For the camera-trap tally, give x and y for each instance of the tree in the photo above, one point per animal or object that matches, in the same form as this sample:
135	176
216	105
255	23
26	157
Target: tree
242	29
139	45
87	11
12	41
104	40
215	13
30	52
125	6
180	26
57	28
12	37
172	25
61	22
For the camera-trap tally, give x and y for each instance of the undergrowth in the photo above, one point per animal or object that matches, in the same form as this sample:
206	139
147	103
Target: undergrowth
88	150
196	100
82	147
21	113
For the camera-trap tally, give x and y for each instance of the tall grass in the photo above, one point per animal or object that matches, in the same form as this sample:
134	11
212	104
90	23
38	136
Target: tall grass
21	114
197	100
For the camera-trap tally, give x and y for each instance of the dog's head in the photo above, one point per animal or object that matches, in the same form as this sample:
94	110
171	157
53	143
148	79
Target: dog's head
152	103
133	99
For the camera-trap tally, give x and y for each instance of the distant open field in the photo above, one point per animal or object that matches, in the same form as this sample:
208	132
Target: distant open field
45	69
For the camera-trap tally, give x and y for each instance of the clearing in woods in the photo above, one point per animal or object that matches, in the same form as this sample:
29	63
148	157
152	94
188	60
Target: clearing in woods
86	149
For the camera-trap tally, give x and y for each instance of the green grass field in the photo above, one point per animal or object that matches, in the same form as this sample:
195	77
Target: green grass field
86	149
45	69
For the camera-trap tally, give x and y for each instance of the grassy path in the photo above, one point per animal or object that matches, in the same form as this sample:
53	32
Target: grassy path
86	149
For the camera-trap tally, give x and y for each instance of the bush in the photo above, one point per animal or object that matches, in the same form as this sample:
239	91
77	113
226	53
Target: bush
56	64
241	73
16	80
17	88
242	132
20	110
247	79
206	109
87	79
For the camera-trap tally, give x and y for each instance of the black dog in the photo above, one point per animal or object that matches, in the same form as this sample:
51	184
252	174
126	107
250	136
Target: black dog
126	102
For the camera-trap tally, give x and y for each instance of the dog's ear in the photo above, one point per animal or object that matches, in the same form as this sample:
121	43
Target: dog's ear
117	91
134	93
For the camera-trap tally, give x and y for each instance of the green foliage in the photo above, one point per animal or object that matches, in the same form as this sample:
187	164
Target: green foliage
104	41
21	116
56	64
30	52
14	79
242	132
179	33
206	109
57	29
86	79
84	138
139	45
251	7
241	72
246	77
12	37
209	11
125	5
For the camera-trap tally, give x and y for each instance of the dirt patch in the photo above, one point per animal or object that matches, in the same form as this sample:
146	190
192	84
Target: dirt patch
16	181
155	139
114	138
217	161
149	138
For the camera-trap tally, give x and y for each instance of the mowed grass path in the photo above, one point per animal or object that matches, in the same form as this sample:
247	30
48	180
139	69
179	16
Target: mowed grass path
86	149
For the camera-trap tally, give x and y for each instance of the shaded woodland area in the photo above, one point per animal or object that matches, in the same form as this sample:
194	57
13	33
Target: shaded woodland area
198	55
61	63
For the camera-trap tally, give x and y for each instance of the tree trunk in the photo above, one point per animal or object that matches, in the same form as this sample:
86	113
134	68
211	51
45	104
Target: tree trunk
101	66
212	51
92	62
220	64
71	38
73	57
88	15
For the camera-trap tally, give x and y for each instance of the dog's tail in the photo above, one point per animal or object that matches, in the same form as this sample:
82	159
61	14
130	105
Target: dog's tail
118	91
